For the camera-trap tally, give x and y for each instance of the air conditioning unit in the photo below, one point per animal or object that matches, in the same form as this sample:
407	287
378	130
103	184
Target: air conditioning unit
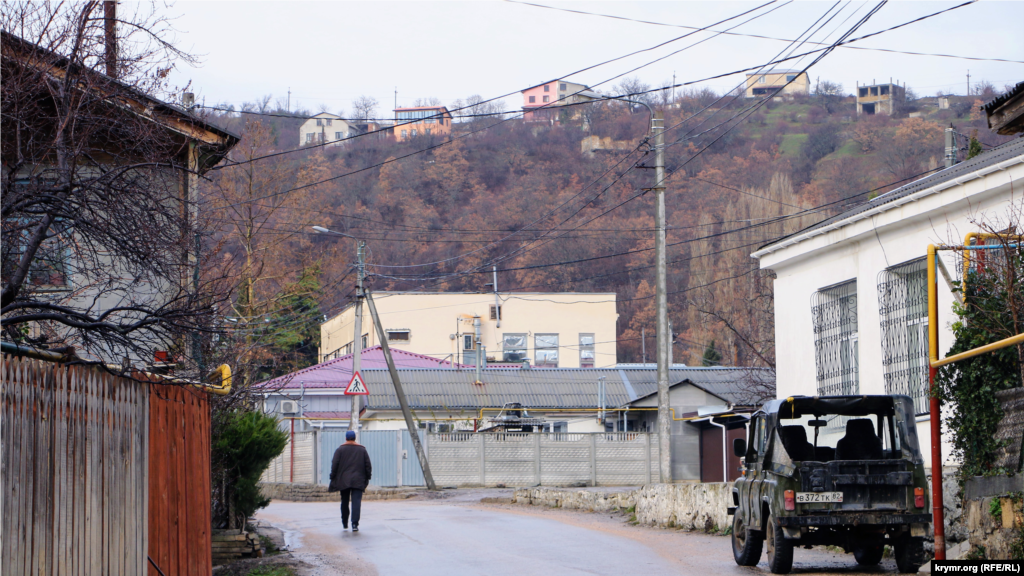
288	407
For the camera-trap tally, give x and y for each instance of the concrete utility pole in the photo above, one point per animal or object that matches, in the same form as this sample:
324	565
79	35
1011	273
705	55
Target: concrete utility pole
661	299
428	477
357	342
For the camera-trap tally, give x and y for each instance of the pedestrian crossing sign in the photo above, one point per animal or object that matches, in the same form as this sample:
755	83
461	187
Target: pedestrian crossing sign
357	386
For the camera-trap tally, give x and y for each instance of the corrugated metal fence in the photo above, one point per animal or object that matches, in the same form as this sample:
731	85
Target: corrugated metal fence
482	459
74	471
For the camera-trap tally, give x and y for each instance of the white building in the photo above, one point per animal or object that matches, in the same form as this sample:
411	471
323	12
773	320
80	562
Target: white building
325	127
850	296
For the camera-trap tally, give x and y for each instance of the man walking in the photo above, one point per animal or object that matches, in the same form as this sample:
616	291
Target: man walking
350	474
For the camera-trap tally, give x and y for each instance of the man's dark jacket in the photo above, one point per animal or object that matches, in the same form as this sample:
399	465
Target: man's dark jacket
350	468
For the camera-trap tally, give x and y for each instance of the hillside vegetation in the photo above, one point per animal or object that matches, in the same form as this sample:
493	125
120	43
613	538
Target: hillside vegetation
438	214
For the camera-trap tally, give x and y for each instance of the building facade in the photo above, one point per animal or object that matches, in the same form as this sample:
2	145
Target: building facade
325	128
777	81
548	330
851	291
422	121
541	103
880	98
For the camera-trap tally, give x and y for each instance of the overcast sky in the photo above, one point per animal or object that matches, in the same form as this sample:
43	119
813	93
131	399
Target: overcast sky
332	52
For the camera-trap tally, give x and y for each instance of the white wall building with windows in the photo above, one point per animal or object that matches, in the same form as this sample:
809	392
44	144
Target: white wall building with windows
325	128
851	291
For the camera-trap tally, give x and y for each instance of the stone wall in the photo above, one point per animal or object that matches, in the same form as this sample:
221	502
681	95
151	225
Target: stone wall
690	506
992	515
295	492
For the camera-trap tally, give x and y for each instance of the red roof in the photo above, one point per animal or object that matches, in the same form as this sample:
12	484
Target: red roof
338	372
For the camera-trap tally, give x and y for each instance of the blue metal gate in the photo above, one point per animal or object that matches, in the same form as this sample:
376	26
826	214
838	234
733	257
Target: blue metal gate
392	456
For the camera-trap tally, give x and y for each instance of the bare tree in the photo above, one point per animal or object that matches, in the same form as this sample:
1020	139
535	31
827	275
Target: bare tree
828	95
100	233
365	108
635	89
430	101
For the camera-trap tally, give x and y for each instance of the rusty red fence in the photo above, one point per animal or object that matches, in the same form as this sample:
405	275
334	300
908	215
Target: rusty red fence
179	481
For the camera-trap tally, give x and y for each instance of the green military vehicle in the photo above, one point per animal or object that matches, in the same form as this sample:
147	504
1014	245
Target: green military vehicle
859	484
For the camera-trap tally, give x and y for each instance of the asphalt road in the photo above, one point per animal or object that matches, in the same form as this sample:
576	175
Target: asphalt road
459	535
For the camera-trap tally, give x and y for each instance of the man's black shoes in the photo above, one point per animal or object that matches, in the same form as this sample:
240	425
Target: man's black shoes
355	528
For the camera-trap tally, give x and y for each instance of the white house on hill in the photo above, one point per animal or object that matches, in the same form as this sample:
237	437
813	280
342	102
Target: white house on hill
325	127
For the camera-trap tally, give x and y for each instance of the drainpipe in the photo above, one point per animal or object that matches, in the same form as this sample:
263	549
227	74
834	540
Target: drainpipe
950	147
476	330
497	301
291	460
725	455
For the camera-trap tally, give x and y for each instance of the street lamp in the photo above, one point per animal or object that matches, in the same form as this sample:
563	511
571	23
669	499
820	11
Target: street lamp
357	339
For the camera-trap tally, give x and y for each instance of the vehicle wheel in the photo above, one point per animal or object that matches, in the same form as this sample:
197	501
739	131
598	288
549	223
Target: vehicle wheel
746	544
909	554
869	555
780	550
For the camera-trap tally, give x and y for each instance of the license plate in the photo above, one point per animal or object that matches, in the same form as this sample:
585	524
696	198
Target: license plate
814	497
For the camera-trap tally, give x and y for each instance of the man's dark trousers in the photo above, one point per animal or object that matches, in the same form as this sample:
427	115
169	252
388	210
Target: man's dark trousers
356	495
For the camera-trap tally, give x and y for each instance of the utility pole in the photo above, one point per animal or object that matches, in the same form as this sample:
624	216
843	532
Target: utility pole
288	104
968	82
661	299
428	477
357	342
497	300
110	36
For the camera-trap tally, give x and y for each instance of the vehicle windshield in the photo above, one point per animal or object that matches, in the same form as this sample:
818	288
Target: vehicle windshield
822	430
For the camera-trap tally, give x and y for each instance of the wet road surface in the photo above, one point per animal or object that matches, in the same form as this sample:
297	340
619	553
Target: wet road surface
460	535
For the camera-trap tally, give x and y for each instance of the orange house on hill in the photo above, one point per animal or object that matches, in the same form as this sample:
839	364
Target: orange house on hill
422	121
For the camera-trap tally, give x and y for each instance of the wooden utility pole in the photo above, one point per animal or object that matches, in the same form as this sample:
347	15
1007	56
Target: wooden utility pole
400	393
110	36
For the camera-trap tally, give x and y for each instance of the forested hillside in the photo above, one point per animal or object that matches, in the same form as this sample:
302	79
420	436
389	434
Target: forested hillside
438	214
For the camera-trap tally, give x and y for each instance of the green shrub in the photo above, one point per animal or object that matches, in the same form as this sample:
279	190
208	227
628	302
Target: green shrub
245	444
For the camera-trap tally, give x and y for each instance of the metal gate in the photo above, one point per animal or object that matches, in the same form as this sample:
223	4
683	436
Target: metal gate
391	454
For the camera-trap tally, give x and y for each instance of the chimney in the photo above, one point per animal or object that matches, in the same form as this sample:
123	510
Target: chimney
110	36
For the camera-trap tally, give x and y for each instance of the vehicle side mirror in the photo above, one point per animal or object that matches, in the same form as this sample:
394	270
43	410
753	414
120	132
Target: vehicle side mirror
739	447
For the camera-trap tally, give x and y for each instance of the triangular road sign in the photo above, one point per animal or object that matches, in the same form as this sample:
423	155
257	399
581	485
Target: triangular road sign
357	386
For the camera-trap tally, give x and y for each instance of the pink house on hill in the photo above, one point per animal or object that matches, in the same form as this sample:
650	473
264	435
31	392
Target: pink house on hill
540	102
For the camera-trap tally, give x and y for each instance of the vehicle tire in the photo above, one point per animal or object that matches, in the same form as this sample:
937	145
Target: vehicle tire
909	554
868	555
780	550
746	544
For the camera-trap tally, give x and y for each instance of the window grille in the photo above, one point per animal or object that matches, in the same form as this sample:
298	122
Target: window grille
834	314
495	312
903	313
513	347
399	335
587	351
546	350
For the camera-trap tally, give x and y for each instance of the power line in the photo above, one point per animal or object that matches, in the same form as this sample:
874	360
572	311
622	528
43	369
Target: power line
762	37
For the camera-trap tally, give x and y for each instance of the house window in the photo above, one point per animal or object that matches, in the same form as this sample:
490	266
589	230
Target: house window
404	133
903	312
309	138
547	88
413	133
319	122
790	77
562	86
427	131
834	314
513	347
365	340
402	335
327	121
545	349
586	350
467	342
762	80
547	98
495	312
338	135
533	99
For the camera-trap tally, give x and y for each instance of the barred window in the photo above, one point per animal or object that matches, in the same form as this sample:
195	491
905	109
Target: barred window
903	312
834	314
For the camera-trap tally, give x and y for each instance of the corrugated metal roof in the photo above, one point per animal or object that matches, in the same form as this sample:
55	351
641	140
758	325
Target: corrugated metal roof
540	388
1011	149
